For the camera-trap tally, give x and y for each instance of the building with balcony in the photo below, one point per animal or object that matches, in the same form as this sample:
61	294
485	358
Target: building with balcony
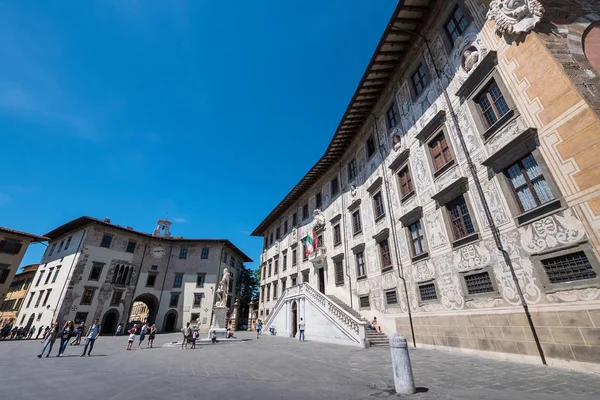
96	269
460	186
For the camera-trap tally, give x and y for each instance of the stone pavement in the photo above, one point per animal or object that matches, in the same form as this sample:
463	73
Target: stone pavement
271	368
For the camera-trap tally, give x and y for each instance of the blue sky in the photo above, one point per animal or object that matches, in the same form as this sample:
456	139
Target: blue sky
208	112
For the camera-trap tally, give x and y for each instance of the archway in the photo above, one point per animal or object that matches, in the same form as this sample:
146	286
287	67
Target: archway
110	321
294	319
170	321
30	322
143	309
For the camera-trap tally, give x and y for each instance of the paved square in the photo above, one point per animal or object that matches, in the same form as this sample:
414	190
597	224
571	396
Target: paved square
270	368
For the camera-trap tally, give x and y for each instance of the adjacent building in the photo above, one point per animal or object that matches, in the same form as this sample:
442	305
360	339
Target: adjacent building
17	292
13	245
96	269
463	173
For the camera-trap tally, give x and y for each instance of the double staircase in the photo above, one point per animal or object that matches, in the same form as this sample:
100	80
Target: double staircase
373	337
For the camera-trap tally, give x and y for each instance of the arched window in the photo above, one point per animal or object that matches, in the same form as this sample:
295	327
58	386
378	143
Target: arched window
129	276
591	44
120	274
125	275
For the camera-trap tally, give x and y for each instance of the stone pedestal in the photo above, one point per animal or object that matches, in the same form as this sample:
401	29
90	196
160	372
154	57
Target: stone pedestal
219	323
251	316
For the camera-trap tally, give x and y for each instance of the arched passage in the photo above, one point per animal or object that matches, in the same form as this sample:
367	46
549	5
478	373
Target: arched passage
30	322
294	319
170	321
110	321
144	309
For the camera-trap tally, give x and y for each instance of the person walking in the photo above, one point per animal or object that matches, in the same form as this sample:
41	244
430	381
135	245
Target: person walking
49	340
301	326
65	336
143	333
79	332
194	338
119	329
152	335
131	338
31	332
187	331
258	328
40	329
92	335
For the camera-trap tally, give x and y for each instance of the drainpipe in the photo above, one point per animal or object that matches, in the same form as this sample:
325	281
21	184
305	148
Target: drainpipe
347	267
393	227
484	202
70	270
164	280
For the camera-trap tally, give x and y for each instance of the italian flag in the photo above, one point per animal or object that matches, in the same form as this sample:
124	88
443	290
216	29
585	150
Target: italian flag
310	243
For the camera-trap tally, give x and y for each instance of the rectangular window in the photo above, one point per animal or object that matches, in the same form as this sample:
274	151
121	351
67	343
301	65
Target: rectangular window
39	317
335	186
278	233
529	185
80	317
46	298
270	268
406	185
294	257
96	271
305	211
39	299
225	254
12	246
48	276
116	298
40	276
420	79
339	272
356	224
4	272
479	283
370	146
88	296
568	268
440	152
361	269
284	266
337	234
384	254
460	219
276	270
274	290
56	274
198	300
305	277
154	268
378	205
492	104
283	282
174	300
352	170
304	254
391	297
294	280
294	219
456	25
204	254
319	200
68	242
130	246
150	280
200	280
268	292
427	291
417	239
178	281
60	246
183	253
106	241
232	262
52	250
363	302
393	117
30	299
285	227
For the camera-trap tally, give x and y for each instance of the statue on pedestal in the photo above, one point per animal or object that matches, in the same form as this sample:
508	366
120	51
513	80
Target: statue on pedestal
222	289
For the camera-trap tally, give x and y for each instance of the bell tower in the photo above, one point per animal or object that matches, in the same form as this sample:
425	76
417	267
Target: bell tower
162	230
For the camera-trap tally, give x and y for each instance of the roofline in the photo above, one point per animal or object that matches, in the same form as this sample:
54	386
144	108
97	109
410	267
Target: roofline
371	87
85	220
36	238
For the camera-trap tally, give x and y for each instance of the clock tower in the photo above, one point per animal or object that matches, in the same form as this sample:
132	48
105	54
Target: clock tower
162	230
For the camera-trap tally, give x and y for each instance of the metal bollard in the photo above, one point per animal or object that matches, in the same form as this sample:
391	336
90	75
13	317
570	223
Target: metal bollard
403	375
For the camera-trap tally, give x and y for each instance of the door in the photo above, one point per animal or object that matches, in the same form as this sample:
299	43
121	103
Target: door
322	280
109	324
170	322
294	319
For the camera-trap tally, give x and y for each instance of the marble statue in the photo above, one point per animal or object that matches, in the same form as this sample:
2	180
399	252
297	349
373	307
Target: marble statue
515	16
222	289
319	217
353	190
396	142
470	59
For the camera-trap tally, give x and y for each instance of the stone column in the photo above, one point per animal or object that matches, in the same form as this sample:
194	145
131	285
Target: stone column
236	313
404	381
251	322
287	317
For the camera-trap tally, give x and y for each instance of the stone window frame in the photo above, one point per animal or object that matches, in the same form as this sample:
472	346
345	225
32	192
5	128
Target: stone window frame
131	245
435	286
583	246
284	260
416	257
417	63
356	250
443	18
371	139
205	253
360	306
154	282
355	231
337	186
83	295
378	192
337	231
485	132
177	295
338	260
178	275
106	241
114	295
383	235
393	106
476	235
94	265
355	169
442	130
488	268
403	197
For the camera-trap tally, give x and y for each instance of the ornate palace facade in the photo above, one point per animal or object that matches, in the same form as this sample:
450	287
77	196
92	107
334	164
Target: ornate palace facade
463	172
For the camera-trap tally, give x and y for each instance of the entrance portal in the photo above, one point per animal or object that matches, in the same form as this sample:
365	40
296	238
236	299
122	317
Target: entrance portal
294	319
170	321
143	309
30	322
109	322
322	280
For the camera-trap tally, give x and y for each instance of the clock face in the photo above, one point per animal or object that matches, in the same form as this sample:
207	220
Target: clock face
158	252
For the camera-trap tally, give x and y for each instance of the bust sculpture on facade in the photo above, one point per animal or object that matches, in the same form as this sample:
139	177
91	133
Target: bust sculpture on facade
319	218
515	16
222	289
470	58
353	190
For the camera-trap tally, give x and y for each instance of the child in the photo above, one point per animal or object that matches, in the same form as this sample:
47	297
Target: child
131	338
213	337
194	337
